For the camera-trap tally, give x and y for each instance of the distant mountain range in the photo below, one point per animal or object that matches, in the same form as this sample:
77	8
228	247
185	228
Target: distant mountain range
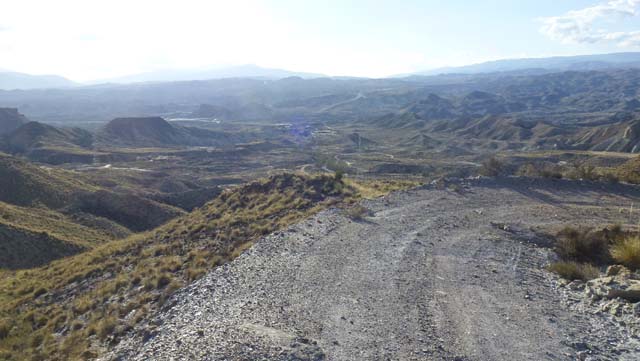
19	81
241	71
559	63
12	80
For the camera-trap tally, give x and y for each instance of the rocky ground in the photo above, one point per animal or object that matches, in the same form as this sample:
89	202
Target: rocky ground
437	273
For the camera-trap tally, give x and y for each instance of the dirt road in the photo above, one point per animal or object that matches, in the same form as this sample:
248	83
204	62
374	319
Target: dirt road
432	275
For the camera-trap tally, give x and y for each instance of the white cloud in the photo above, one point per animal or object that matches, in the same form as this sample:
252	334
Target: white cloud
581	26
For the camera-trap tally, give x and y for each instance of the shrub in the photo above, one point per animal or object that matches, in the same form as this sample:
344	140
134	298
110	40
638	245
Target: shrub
357	212
627	252
583	245
492	167
574	270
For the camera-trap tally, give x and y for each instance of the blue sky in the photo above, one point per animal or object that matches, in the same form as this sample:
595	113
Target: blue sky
90	39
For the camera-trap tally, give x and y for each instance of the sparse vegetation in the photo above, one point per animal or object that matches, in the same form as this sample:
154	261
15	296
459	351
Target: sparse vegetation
540	170
581	249
574	271
583	171
357	212
492	167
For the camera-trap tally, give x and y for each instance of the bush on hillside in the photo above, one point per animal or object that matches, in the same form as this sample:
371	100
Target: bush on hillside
492	167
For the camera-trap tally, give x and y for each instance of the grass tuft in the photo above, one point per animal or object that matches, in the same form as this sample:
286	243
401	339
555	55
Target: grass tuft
627	252
574	271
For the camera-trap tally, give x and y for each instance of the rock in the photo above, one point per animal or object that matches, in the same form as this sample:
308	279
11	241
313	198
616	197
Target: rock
617	270
576	285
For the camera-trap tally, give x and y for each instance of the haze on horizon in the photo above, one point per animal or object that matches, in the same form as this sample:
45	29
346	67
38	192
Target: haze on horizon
90	40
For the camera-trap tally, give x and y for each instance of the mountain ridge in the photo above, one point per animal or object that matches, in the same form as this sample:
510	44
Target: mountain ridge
239	71
10	80
557	63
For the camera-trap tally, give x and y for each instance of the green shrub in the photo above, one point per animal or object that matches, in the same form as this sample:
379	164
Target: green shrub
627	252
574	270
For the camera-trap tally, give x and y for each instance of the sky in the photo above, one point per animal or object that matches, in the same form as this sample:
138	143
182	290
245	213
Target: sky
88	40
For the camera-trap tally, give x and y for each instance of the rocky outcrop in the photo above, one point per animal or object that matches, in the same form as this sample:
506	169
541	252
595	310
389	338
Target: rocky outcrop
618	283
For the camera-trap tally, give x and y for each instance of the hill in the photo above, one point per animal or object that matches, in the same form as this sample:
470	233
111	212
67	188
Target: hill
13	80
10	120
48	144
147	131
157	132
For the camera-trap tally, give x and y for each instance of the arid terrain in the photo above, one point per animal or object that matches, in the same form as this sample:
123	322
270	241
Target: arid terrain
431	274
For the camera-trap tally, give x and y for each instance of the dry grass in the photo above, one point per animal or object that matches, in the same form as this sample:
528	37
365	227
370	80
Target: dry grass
583	244
627	252
574	270
583	248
